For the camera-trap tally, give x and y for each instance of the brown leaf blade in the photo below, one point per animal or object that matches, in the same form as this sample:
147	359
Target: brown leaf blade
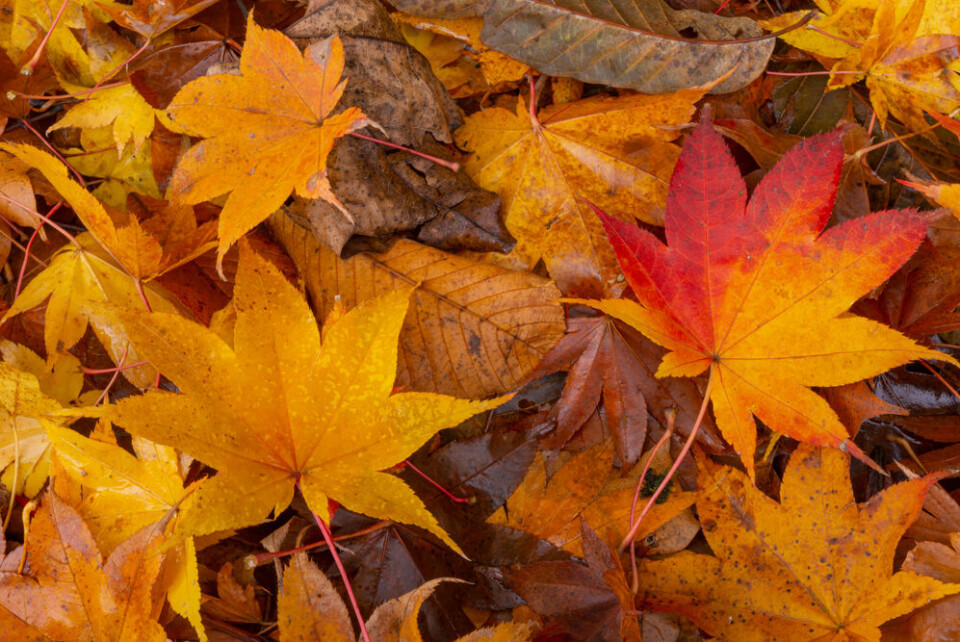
69	593
629	43
474	330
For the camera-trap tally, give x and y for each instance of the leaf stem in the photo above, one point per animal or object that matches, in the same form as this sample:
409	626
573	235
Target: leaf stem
17	94
28	68
533	100
825	72
97	371
452	166
328	537
143	294
852	43
43	217
16	474
116	69
54	150
435	484
671	425
26	251
113	379
635	528
946	384
263	558
895	139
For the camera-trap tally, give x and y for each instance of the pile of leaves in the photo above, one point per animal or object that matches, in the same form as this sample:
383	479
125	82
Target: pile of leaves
480	320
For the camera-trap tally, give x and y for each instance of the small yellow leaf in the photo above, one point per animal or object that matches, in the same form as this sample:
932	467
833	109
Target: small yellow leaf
122	107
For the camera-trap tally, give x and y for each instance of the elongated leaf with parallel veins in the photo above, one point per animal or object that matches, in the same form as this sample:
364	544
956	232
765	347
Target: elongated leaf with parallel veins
624	43
473	330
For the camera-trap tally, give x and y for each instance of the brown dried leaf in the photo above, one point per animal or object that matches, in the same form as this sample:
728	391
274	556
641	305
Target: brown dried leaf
475	329
590	601
398	91
631	43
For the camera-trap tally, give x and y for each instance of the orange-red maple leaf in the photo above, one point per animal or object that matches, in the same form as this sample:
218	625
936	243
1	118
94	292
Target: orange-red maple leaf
267	131
758	292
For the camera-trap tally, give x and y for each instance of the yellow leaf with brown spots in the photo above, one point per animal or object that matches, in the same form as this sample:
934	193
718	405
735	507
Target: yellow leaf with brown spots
906	49
615	152
814	566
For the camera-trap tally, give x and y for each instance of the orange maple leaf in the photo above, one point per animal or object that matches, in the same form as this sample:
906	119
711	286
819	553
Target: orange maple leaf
268	131
813	567
758	295
68	592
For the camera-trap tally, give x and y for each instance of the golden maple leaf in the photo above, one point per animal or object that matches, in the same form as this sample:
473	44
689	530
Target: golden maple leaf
144	250
615	152
276	411
582	488
268	131
905	49
813	567
123	494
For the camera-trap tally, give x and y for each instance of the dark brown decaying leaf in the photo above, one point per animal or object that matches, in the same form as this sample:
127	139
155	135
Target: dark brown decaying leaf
466	217
610	362
395	560
473	330
159	75
395	87
637	44
589	600
487	467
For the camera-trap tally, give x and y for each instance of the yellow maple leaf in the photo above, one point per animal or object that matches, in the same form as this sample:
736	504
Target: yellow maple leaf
905	49
124	493
77	281
268	131
614	152
814	566
26	393
457	56
125	173
276	412
131	117
161	243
